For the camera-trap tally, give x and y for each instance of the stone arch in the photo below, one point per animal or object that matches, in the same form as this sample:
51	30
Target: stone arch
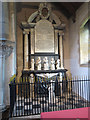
32	17
53	17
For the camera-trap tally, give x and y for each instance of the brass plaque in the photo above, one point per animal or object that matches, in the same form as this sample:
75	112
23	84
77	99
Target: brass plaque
44	37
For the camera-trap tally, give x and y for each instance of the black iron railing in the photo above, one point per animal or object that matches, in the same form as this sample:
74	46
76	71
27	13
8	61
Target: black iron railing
31	96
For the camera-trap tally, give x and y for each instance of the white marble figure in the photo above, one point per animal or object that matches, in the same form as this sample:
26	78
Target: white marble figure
32	64
46	65
58	64
52	64
38	63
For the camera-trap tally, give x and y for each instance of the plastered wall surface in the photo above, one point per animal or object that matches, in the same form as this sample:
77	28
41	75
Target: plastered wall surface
75	68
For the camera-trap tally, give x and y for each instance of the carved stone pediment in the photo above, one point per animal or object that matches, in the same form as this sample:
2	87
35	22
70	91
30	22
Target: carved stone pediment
44	12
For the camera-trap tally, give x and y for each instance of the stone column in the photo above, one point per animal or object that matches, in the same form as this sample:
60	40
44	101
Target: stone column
61	57
4	36
6	54
56	42
12	23
32	36
12	12
5	22
61	48
26	32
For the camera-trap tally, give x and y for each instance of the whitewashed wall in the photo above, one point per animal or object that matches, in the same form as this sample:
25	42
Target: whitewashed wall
75	68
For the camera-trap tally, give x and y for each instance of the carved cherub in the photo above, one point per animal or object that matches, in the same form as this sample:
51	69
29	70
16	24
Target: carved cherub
38	63
46	65
32	64
52	64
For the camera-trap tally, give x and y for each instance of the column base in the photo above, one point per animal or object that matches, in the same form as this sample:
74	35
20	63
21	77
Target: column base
62	68
26	69
2	107
31	69
5	113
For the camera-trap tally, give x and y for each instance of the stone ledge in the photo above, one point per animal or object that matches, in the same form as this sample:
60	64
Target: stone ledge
31	117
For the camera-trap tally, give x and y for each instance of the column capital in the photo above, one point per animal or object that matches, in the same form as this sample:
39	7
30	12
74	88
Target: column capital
61	33
12	7
56	30
26	31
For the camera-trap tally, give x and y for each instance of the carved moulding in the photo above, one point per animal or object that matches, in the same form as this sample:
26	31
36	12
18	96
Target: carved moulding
6	48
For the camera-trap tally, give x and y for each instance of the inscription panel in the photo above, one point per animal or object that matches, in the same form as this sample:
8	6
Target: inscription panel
44	37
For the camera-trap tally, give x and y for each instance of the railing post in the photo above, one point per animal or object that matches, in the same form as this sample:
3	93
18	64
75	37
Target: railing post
10	101
12	97
71	94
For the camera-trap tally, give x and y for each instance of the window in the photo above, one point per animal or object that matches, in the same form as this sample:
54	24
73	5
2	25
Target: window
84	42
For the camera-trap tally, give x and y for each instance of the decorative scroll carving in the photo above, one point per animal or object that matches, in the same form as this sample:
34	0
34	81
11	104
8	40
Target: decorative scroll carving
44	12
32	17
56	19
